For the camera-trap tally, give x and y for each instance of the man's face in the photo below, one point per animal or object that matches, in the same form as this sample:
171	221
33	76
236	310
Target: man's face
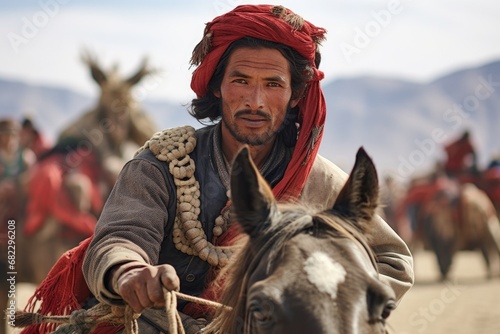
9	140
255	94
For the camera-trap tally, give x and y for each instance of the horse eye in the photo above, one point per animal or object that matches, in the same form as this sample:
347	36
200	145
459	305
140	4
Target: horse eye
262	316
380	302
388	308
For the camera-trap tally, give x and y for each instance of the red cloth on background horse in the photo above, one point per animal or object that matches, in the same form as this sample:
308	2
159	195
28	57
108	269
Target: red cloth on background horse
418	196
48	196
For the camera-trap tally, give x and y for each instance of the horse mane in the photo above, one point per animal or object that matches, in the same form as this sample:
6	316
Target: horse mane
299	218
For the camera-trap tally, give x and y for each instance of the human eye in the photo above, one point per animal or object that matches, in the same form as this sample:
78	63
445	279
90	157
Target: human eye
274	84
240	81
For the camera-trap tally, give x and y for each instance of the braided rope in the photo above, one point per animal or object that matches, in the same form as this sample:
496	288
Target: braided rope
84	321
174	319
174	146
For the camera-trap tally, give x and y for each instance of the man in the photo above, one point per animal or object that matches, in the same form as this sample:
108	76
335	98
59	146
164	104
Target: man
461	156
31	138
258	74
14	165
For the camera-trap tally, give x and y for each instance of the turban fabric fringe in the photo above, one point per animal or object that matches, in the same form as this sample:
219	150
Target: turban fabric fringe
64	290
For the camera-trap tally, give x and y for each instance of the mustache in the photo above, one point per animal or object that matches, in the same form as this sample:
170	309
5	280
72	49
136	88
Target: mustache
251	112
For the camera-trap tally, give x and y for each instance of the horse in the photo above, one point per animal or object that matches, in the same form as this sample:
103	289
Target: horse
117	119
70	183
300	271
462	220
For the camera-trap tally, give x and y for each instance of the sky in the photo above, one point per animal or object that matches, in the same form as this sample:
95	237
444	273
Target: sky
41	41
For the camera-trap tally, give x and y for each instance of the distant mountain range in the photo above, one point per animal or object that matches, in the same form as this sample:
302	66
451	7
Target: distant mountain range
402	124
405	124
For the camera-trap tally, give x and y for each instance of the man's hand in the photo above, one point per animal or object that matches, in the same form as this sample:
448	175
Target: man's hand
142	287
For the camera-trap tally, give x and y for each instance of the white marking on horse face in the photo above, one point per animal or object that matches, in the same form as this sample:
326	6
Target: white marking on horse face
324	272
357	313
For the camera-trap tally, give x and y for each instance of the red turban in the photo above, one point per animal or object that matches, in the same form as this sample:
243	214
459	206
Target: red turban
280	25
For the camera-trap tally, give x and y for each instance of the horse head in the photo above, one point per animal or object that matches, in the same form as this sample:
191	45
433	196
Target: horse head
117	108
303	272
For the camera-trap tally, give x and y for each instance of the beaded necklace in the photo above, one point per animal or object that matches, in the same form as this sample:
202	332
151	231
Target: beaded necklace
174	146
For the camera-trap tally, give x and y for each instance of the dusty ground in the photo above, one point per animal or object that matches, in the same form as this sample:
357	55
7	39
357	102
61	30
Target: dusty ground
468	304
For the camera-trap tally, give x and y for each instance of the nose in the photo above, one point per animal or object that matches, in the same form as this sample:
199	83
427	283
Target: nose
255	98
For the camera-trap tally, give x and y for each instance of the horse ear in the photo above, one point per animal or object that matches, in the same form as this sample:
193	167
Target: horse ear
143	71
252	199
358	199
96	72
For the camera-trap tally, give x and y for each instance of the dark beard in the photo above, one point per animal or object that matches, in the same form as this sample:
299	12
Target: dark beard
253	139
250	139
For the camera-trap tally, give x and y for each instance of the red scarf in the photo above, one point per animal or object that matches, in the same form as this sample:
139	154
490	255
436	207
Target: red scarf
261	21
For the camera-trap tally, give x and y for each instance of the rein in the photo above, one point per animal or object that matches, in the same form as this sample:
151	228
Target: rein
84	321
